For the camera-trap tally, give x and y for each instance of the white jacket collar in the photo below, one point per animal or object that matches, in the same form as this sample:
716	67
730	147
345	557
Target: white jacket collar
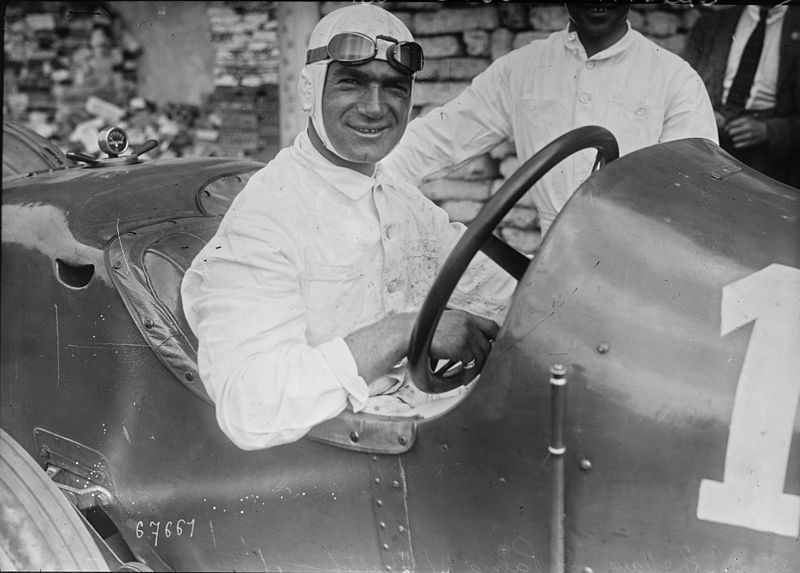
573	43
351	183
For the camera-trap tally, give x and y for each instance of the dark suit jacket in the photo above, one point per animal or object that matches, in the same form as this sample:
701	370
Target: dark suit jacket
707	52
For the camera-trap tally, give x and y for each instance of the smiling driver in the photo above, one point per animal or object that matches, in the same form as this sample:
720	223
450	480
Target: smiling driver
304	300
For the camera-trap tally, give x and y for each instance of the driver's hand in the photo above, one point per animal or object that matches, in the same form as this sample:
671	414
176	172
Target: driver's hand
465	337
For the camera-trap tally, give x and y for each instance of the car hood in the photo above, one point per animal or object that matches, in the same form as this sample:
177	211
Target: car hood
102	202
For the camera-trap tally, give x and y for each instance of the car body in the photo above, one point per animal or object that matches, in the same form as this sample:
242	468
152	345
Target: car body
25	151
680	413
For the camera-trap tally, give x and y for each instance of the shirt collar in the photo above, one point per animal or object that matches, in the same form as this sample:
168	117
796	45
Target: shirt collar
573	43
352	184
775	13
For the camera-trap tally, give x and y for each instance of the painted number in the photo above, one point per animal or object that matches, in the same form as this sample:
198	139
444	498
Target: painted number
767	395
179	528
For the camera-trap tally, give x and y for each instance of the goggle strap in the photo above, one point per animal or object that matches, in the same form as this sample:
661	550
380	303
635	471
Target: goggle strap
317	54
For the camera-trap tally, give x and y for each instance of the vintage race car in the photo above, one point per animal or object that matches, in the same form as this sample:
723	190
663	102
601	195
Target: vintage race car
639	410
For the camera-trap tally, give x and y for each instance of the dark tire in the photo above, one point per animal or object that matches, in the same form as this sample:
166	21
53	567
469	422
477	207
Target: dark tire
39	529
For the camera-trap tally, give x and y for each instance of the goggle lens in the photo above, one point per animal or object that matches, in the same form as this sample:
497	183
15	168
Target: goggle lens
408	55
351	49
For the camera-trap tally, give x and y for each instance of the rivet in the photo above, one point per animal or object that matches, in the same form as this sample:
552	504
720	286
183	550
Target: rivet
586	464
189	376
602	348
400	528
377	480
148	323
558	370
353	436
388	567
382	524
587	570
374	458
395	484
402	440
386	547
379	503
444	447
117	264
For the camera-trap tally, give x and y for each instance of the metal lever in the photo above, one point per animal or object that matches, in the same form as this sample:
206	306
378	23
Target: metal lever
148	145
558	382
75	156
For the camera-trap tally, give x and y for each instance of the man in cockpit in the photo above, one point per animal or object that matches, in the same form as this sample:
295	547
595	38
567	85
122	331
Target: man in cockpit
304	301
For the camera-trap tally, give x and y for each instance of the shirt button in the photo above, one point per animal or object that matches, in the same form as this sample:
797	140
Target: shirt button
640	112
585	98
590	65
571	36
393	286
388	231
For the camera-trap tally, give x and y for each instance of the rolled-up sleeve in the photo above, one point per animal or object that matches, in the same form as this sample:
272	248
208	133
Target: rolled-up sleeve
242	298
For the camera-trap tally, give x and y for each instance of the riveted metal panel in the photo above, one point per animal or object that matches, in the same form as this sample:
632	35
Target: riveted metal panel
389	497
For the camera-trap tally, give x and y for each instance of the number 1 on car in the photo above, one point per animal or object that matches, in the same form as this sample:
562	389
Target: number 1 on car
767	395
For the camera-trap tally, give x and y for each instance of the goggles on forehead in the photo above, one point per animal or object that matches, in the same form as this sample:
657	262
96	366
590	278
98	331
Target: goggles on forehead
356	48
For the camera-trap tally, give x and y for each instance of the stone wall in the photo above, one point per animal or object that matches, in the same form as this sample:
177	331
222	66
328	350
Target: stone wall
60	57
200	77
244	104
461	39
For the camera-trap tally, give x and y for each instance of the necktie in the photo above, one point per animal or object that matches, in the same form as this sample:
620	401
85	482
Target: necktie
743	81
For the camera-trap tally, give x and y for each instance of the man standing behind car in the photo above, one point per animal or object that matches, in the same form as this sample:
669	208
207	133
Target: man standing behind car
304	300
598	71
749	57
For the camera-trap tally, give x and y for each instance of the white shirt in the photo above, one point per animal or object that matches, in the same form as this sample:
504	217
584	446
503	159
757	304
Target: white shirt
308	253
765	82
639	91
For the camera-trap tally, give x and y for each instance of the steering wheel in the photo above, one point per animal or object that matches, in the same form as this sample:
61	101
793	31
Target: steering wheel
479	236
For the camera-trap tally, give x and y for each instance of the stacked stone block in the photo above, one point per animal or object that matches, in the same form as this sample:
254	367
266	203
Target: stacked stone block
71	67
246	120
246	77
59	54
245	40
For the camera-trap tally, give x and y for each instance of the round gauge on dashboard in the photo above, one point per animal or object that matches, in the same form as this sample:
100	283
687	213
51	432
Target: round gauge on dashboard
113	141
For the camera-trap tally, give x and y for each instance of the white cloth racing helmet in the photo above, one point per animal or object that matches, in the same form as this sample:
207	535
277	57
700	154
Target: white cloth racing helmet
353	34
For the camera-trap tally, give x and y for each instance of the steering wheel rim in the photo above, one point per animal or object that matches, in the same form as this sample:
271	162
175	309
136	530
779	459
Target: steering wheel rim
479	236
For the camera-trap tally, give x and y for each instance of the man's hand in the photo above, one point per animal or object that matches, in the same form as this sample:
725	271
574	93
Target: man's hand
747	132
459	336
465	337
